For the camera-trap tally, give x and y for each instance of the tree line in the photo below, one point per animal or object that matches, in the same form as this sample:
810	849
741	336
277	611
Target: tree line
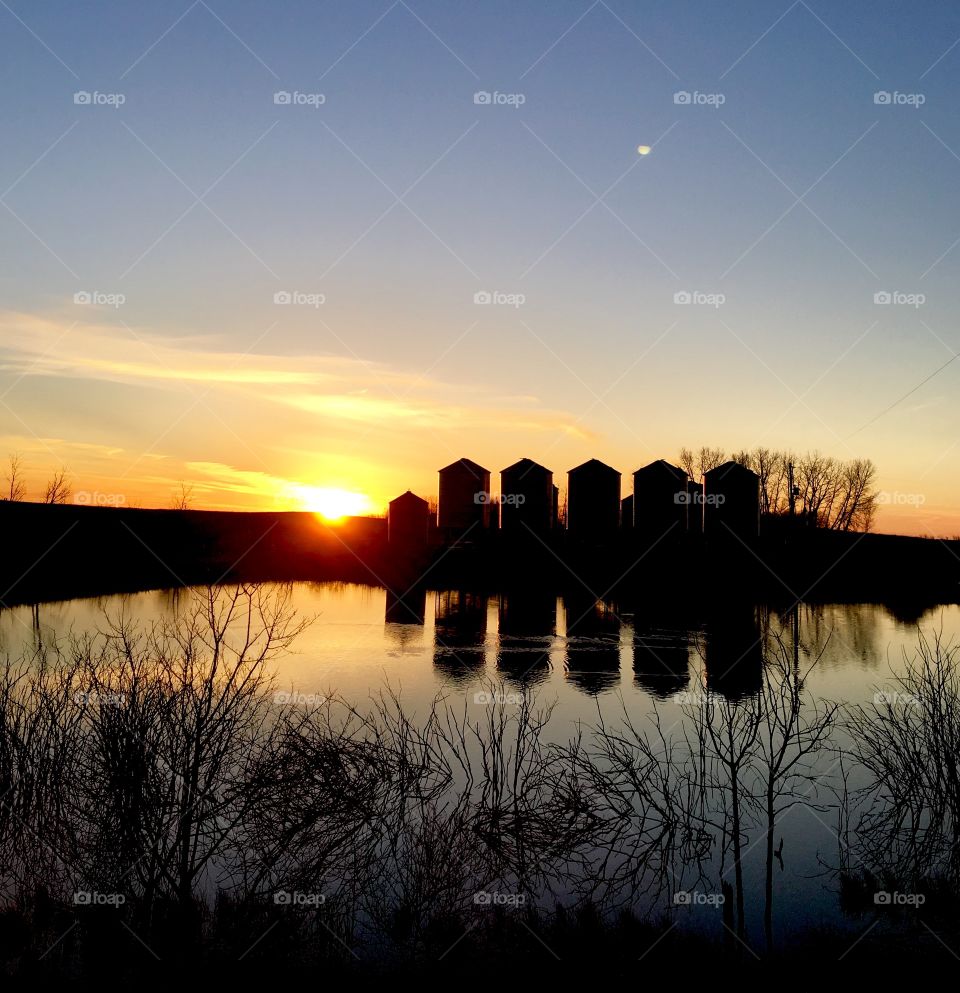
835	494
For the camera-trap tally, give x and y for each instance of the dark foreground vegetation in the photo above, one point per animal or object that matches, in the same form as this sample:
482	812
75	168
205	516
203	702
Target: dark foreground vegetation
169	813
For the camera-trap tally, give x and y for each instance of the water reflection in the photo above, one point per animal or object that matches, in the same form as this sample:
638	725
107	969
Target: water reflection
460	632
593	644
733	650
527	626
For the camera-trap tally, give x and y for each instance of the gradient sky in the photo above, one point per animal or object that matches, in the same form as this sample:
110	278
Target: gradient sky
198	199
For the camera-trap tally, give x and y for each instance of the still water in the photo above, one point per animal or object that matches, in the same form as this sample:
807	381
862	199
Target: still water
589	660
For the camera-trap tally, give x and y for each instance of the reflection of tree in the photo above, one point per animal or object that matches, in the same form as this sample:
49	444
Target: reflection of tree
908	743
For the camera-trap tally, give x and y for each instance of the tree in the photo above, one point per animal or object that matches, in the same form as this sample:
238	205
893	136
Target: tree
15	488
183	499
58	489
705	460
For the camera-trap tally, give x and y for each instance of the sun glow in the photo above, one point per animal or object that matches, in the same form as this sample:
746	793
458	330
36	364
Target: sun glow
331	503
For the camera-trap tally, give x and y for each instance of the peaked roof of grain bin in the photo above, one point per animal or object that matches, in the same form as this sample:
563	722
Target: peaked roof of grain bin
409	498
663	464
468	464
527	465
594	466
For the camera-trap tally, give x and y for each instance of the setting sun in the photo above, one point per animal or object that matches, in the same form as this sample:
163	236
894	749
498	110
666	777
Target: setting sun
331	503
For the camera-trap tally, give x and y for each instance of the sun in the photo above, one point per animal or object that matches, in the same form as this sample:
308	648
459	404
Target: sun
332	503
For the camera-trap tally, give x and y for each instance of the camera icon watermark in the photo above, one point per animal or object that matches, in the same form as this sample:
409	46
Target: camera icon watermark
94	498
893	698
292	698
484	98
896	499
687	98
296	298
294	98
91	898
884	898
895	298
95	298
487	898
495	298
696	298
693	898
286	898
86	98
484	698
500	499
894	98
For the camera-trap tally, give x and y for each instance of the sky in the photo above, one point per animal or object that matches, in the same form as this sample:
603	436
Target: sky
269	248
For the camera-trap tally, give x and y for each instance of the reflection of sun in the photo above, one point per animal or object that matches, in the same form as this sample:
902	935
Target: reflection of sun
332	504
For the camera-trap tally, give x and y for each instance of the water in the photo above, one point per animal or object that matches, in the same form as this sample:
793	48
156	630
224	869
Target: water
590	661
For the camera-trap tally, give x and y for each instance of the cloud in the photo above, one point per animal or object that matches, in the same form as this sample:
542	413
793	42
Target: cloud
332	388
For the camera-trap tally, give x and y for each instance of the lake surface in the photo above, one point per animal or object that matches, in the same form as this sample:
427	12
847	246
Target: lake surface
589	660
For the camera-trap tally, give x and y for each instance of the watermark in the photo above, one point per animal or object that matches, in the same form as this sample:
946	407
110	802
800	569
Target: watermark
484	698
94	498
684	98
694	898
84	98
287	98
696	298
484	98
296	298
84	698
286	698
486	898
495	298
894	698
895	298
701	499
888	98
886	899
285	898
897	499
98	299
91	898
503	499
691	698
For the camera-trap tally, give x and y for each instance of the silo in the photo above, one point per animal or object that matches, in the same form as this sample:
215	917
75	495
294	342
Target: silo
464	505
526	498
408	521
731	502
660	500
593	500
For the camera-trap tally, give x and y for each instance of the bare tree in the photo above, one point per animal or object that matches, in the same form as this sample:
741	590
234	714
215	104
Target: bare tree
183	498
695	465
58	489
15	486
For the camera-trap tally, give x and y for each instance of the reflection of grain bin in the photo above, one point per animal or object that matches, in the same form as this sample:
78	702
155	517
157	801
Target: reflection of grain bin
593	499
526	496
731	501
408	521
660	499
464	498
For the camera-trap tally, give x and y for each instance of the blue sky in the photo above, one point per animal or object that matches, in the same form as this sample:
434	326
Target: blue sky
399	370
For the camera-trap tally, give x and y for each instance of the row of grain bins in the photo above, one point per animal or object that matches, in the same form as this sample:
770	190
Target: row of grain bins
664	500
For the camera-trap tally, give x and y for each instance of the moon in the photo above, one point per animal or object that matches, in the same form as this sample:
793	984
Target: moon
643	149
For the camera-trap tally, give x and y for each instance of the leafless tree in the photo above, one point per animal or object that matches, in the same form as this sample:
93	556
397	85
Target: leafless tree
58	489
183	498
695	465
14	484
